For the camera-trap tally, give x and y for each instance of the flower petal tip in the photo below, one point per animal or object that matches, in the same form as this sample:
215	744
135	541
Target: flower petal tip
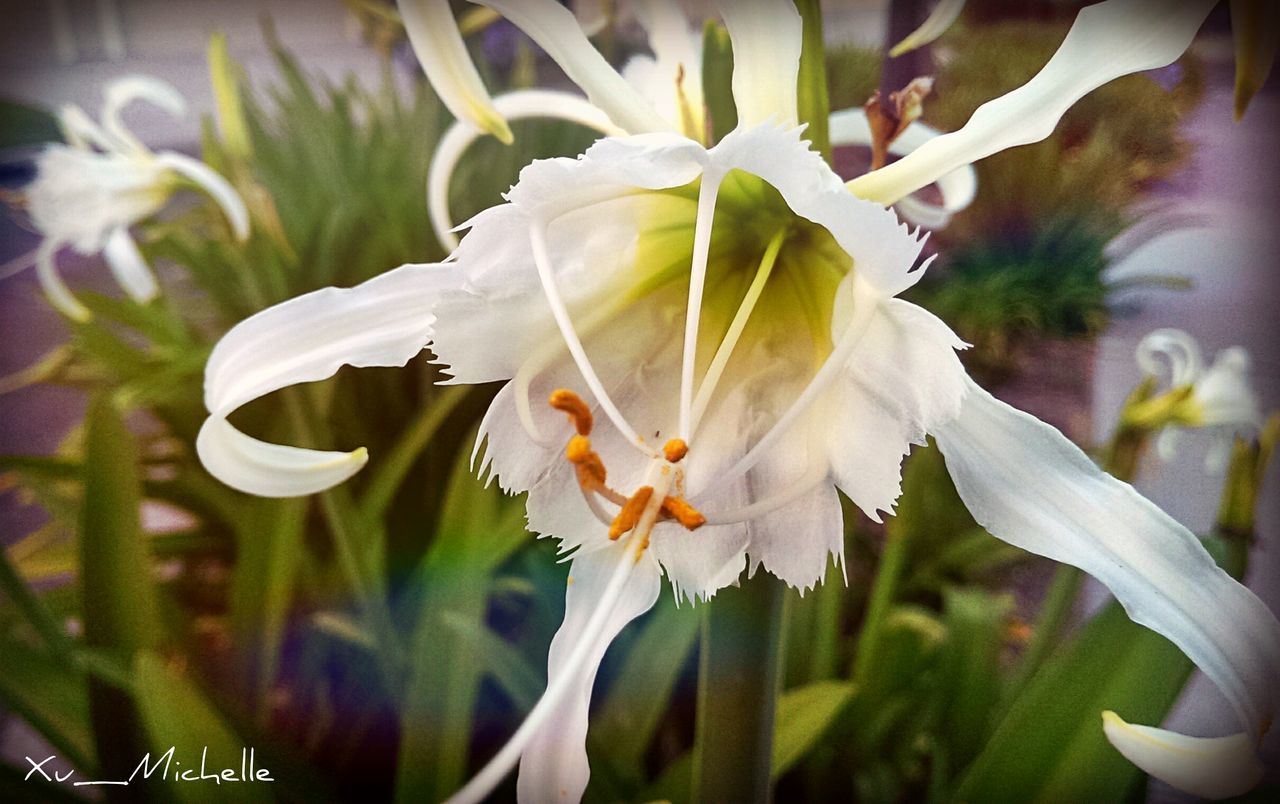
1210	767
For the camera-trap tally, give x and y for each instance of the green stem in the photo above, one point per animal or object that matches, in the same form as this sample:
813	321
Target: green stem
812	99
892	562
738	680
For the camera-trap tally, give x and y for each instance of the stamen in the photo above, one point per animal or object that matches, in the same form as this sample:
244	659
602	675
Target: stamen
629	516
682	511
736	328
538	242
566	401
866	302
675	450
697	280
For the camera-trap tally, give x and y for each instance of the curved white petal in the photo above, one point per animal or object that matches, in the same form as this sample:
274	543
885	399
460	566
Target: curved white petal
767	36
54	288
902	381
1209	767
271	470
1175	348
795	540
936	24
80	196
1108	40
554	765
672	78
958	188
128	267
123	91
383	322
592	15
218	188
81	132
519	105
438	44
1027	484
1225	392
556	31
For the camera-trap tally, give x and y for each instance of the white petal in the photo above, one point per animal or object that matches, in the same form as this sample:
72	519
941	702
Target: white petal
592	15
1030	486
795	541
128	267
519	105
556	31
554	765
1175	348
383	322
218	188
935	25
903	380
958	188
1209	767
271	470
438	44
882	249
51	283
672	78
767	36
80	196
80	132
1226	392
1108	40
123	91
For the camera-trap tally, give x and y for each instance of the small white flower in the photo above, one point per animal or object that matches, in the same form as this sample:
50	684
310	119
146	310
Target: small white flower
731	315
88	193
1221	400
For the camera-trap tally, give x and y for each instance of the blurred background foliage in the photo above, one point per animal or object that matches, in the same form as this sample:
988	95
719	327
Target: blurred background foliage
380	640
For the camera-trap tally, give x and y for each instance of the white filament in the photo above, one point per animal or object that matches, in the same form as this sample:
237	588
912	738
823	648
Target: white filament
697	280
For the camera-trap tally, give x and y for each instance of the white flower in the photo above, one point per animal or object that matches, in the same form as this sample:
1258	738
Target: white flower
88	193
731	314
1221	398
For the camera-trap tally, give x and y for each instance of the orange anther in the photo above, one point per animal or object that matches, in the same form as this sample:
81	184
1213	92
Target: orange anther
629	516
570	403
674	450
578	449
679	509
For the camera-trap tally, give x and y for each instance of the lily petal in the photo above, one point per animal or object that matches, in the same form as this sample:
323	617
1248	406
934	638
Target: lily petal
54	288
128	267
1209	767
218	188
557	32
959	187
79	130
123	91
935	25
383	322
438	44
555	761
1030	486
767	38
1108	40
519	105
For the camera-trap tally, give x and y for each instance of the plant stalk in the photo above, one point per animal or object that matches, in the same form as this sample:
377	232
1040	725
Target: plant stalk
738	679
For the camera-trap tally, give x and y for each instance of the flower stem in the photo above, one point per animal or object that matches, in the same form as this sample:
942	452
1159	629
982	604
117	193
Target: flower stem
888	572
738	682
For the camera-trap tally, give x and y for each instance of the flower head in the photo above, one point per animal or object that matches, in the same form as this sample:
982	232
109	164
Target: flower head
721	327
88	193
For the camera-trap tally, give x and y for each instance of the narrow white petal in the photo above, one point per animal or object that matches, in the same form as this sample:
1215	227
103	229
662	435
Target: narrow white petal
592	15
767	36
557	32
271	470
554	765
383	322
1209	767
438	44
54	288
79	130
519	105
128	267
672	78
1173	352
958	188
123	91
1108	40
1027	484
935	25
218	188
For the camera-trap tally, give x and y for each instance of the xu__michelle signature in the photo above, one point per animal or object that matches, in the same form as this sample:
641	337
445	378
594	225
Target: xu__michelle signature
168	768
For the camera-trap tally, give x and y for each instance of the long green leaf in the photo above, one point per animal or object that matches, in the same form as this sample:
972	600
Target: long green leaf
804	715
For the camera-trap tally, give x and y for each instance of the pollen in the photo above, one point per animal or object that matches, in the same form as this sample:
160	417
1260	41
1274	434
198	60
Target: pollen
675	450
629	516
566	401
679	509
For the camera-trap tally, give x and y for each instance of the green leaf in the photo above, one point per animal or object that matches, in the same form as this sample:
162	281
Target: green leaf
811	83
51	697
515	676
969	674
804	715
1050	745
177	715
717	80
